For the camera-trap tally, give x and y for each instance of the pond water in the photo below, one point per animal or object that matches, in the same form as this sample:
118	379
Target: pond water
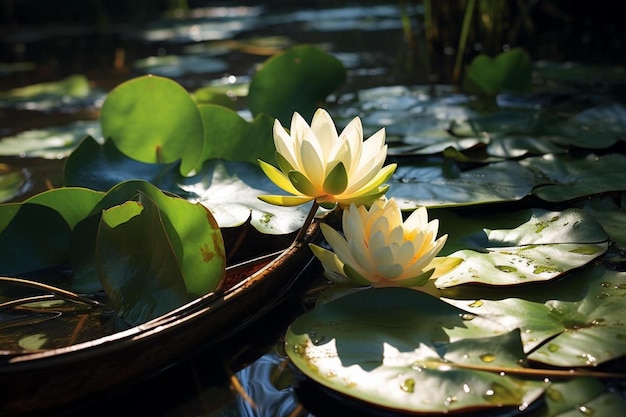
223	45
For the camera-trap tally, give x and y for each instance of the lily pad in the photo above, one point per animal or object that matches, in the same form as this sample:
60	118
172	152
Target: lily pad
508	71
543	247
568	178
296	80
399	360
154	120
581	327
32	237
12	180
229	136
231	190
102	166
154	256
426	185
610	216
52	142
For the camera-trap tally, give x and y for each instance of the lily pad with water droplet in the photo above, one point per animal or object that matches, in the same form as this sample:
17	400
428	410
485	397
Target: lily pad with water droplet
574	322
519	247
405	350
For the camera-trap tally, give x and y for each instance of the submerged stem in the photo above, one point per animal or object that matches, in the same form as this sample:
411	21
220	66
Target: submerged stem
59	292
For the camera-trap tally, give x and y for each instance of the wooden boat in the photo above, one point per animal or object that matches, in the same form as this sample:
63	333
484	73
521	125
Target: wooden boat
48	379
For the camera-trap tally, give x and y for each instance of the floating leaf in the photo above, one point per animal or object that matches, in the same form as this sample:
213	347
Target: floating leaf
508	71
151	261
545	246
568	178
426	185
388	347
12	180
32	237
577	321
296	80
154	120
52	142
73	203
101	167
231	191
228	136
611	217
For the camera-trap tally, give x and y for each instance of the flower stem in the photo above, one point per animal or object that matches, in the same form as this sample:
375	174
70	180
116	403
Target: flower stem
307	222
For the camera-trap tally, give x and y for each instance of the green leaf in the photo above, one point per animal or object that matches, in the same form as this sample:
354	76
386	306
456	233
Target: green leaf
83	248
389	347
536	245
73	203
231	191
573	322
610	216
196	239
137	266
228	136
32	237
424	184
11	182
51	142
154	120
567	178
101	167
508	71
296	80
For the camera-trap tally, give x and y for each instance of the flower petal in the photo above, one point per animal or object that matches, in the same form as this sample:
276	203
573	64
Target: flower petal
285	200
278	177
333	267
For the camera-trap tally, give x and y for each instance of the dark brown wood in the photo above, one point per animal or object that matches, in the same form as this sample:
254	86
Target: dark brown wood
33	382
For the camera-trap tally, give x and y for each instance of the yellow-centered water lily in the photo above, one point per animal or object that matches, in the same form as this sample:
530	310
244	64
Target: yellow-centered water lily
318	164
378	248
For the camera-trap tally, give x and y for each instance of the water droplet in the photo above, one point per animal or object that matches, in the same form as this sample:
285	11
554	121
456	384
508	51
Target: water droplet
466	388
620	287
298	349
468	316
597	322
499	394
476	304
553	347
449	401
588	411
602	296
408	385
605	284
588	358
488	357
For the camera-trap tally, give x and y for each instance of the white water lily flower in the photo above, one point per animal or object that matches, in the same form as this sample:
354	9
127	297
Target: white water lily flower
318	164
379	249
